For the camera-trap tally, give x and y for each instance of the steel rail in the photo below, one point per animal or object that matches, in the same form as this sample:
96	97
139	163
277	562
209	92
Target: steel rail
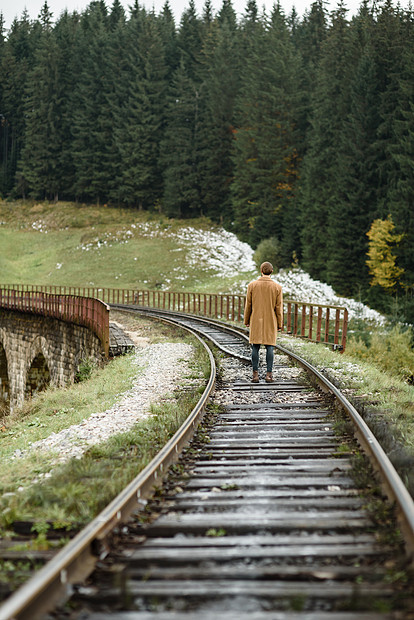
391	482
80	562
170	314
52	584
226	327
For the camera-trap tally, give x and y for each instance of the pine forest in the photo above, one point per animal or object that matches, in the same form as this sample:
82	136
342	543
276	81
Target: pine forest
294	132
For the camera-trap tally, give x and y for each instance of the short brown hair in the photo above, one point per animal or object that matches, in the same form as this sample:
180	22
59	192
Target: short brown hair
266	268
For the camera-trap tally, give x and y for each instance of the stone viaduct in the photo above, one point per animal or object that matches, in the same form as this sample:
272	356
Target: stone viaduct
37	350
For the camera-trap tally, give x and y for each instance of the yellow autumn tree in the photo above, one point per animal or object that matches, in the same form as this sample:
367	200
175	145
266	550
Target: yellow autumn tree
381	261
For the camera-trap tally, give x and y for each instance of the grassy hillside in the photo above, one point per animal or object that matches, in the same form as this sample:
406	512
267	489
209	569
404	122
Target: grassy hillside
86	245
80	245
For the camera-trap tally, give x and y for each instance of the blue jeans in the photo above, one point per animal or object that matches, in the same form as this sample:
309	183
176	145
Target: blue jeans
269	356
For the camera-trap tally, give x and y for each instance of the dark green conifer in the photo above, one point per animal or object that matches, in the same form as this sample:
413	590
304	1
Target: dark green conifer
140	113
93	121
330	109
180	147
39	165
16	62
400	191
221	68
168	35
265	153
355	201
189	40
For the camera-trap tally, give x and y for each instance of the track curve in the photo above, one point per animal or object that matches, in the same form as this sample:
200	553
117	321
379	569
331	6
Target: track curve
236	344
261	520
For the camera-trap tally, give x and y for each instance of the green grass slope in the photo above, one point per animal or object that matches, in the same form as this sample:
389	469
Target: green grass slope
78	245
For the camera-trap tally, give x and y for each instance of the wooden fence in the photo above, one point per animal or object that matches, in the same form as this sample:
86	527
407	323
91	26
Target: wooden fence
315	322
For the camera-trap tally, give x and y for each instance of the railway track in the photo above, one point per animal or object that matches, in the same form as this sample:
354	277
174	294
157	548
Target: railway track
261	517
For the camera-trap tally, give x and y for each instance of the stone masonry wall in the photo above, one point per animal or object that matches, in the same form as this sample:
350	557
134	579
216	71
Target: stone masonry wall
35	348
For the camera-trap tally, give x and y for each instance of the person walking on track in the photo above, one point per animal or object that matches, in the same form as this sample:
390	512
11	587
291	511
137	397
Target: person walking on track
263	313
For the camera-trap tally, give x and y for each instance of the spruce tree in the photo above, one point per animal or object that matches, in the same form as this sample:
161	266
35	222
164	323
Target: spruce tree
189	40
227	15
330	108
400	191
43	141
221	67
168	34
141	113
389	44
180	147
16	62
308	37
208	14
116	16
93	122
4	126
354	201
65	34
264	149
181	144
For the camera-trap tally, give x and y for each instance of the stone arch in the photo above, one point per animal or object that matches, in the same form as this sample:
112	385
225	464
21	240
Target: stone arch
38	369
43	345
38	376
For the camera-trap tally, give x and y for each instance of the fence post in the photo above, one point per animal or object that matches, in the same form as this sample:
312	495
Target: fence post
303	326
319	325
295	318
327	326
289	318
344	329
336	335
310	322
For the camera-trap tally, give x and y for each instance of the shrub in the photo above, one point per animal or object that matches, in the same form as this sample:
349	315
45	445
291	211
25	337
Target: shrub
85	369
391	351
269	250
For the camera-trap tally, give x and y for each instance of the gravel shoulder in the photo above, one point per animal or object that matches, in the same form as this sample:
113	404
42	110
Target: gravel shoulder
161	368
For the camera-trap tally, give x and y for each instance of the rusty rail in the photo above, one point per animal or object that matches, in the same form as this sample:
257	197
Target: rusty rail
86	311
314	322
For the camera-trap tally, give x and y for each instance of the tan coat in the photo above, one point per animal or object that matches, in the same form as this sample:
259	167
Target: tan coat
263	310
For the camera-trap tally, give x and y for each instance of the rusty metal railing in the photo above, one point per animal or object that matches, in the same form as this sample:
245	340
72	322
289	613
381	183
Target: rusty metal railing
314	322
86	311
317	323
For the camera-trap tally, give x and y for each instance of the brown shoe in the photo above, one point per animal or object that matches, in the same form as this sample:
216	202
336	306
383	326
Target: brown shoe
269	377
255	376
